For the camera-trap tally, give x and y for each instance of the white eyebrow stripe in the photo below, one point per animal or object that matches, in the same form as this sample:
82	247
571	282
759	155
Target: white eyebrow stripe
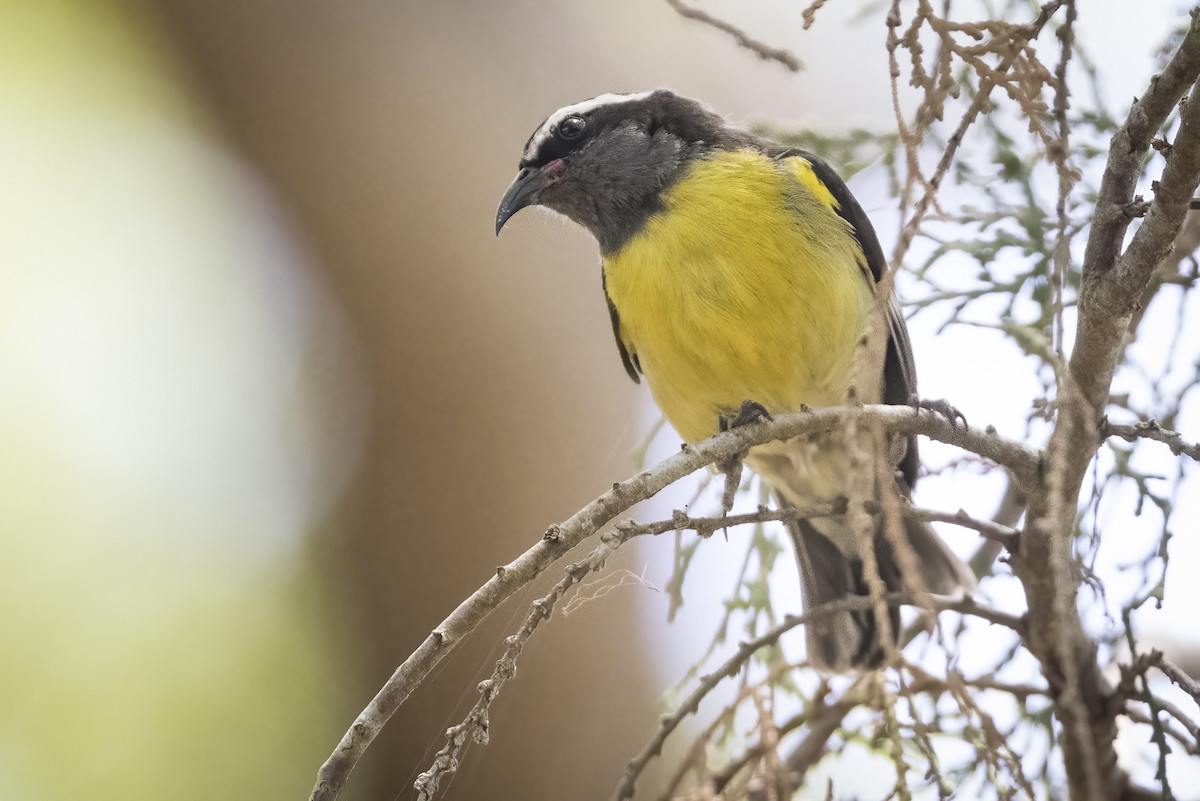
583	107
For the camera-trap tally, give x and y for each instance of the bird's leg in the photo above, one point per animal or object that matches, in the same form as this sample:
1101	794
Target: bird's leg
939	406
751	412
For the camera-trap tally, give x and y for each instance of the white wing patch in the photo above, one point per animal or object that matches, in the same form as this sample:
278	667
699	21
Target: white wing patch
547	130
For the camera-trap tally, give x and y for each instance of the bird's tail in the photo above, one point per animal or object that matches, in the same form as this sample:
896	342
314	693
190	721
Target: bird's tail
853	640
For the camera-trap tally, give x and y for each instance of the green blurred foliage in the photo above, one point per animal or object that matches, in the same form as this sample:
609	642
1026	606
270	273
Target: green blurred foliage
162	635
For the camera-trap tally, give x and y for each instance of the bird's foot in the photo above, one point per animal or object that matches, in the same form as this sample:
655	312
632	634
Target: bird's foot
939	406
751	412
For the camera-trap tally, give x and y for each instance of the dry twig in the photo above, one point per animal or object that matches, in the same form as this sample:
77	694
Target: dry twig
747	649
760	49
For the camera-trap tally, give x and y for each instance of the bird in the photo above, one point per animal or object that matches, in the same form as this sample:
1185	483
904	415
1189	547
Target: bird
741	278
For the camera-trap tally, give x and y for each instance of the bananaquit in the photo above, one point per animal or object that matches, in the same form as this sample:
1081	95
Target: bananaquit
736	269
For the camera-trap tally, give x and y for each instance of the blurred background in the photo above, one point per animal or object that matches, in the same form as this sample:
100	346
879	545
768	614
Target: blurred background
273	397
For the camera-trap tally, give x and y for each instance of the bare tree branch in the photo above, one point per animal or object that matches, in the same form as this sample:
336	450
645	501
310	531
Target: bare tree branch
475	725
823	726
1012	506
704	526
1110	289
1021	460
1179	677
1139	715
1150	429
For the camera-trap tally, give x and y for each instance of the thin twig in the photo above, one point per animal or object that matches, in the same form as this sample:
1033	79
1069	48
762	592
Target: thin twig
734	664
1186	722
810	750
705	526
1179	677
818	720
474	726
978	104
1137	715
760	49
1008	513
695	756
1151	429
932	683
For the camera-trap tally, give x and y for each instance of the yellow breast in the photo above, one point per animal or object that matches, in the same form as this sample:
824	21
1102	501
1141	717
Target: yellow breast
746	286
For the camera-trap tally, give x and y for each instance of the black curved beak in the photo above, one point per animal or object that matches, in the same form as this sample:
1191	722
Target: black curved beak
521	192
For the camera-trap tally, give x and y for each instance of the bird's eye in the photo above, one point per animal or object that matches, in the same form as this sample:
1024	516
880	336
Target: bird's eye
571	128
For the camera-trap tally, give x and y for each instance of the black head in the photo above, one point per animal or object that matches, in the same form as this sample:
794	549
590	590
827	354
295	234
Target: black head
603	162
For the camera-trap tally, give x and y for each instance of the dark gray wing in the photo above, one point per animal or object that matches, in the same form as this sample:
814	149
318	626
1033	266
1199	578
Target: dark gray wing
629	360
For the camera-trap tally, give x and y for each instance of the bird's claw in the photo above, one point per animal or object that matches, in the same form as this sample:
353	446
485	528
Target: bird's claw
751	412
939	406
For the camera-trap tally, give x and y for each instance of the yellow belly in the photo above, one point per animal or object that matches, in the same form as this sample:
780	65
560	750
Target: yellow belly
747	286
